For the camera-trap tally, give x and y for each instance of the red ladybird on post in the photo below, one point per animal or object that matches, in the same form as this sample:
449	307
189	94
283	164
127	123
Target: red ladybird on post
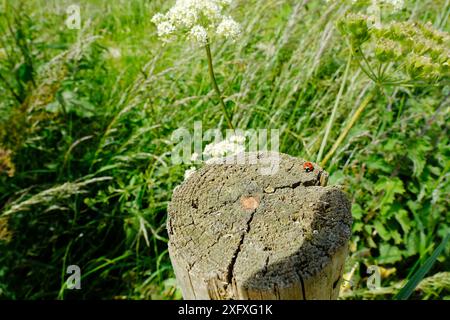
308	166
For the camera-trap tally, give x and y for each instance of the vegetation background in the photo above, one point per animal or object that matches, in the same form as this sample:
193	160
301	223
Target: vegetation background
86	118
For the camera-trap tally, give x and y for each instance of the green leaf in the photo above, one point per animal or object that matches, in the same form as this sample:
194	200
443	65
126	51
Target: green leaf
382	231
411	285
389	254
357	211
390	187
412	246
358	226
402	217
396	236
378	164
418	155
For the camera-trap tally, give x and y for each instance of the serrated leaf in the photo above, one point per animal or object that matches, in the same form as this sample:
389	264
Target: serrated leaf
389	254
391	187
402	217
417	153
378	164
382	231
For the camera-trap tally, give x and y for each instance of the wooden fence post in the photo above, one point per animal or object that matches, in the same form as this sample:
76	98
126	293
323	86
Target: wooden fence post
235	233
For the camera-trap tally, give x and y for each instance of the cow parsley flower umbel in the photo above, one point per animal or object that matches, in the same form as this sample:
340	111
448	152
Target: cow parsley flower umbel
216	151
196	20
199	21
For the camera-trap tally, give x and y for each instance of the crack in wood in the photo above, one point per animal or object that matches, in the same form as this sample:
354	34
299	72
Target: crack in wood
230	274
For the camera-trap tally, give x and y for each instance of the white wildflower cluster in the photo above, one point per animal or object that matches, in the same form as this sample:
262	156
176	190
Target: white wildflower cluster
197	20
198	34
228	147
228	28
231	146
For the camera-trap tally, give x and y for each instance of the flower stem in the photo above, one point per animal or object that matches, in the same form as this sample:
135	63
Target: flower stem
216	87
333	113
349	126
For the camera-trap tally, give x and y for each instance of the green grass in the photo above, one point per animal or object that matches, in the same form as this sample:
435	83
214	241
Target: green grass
89	141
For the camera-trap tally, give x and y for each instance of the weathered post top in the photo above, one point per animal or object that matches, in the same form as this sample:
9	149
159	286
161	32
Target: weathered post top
237	234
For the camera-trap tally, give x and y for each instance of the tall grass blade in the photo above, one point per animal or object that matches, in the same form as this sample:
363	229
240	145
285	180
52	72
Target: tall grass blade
411	285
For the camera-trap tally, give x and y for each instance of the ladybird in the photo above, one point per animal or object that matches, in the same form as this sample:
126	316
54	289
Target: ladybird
308	167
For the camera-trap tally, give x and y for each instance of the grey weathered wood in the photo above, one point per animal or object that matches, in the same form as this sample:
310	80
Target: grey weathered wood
237	234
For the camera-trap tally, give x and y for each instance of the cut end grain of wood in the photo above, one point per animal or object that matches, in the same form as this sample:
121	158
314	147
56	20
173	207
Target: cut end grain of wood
237	234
